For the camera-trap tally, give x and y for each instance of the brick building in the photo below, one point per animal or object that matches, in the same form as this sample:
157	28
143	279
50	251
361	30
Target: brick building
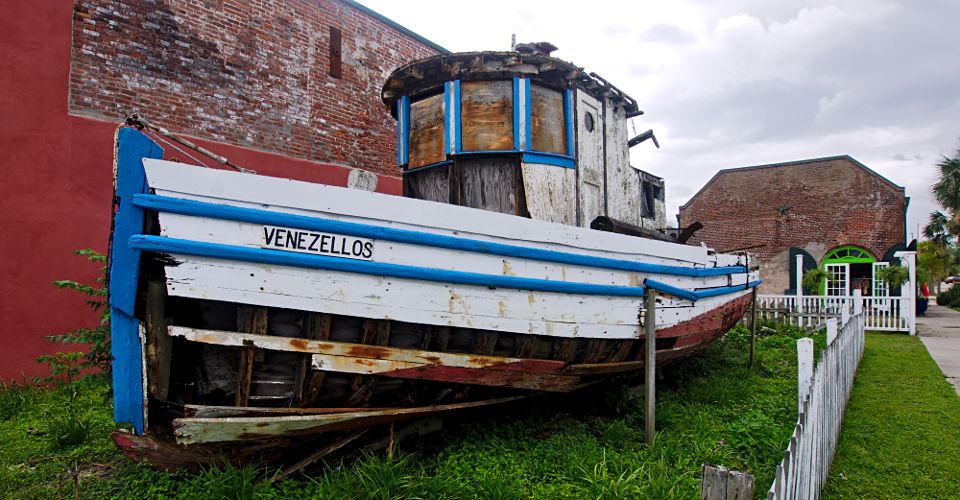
286	88
835	212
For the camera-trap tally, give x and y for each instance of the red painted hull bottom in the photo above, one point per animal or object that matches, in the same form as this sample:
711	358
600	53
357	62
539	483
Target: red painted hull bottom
184	435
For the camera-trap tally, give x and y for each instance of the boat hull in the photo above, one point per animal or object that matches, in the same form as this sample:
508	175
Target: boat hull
253	313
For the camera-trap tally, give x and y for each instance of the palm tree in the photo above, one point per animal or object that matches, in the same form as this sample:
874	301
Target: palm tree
947	188
944	226
938	229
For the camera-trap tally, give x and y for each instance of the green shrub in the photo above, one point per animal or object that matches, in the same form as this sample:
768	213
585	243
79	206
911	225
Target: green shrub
97	339
813	281
67	429
950	297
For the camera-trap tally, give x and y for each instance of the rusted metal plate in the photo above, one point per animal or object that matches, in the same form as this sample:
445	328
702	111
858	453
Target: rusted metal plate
426	131
486	108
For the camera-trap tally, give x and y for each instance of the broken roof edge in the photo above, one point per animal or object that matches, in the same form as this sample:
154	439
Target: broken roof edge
847	157
395	25
423	77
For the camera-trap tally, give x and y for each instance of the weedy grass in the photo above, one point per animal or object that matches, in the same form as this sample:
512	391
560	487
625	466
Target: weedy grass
901	430
711	408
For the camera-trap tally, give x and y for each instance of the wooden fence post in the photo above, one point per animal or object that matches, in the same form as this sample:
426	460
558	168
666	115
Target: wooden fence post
857	302
800	284
804	368
650	366
753	327
721	483
831	330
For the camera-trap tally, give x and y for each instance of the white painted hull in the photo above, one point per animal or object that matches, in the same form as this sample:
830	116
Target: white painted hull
411	300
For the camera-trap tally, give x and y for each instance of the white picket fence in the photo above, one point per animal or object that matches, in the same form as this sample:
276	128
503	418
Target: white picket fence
890	314
823	393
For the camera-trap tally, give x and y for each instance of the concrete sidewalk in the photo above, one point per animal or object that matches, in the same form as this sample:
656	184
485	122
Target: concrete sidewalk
939	330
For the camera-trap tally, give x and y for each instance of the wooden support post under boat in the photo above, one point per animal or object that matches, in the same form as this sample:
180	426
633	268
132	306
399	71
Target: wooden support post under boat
157	341
753	327
650	366
251	320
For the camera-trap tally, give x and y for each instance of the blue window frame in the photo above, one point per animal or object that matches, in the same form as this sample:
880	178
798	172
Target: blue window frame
452	127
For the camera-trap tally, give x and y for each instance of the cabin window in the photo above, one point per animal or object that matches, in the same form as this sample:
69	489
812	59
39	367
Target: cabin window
547	121
486	115
426	131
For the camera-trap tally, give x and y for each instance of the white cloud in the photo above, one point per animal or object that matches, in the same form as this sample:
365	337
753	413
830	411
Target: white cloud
733	83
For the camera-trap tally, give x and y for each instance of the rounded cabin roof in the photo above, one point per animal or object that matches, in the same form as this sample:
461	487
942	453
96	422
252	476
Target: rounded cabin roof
426	76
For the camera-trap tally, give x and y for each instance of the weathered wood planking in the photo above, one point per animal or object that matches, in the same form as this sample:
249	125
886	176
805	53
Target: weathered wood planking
158	348
623	181
551	193
721	483
545	313
806	462
412	300
296	197
547	124
591	176
491	183
426	131
226	429
431	184
487	115
251	235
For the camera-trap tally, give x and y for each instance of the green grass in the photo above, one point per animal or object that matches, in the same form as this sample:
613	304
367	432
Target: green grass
711	409
901	431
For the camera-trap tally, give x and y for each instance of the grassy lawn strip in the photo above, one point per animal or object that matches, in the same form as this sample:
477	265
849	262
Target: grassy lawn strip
901	431
711	409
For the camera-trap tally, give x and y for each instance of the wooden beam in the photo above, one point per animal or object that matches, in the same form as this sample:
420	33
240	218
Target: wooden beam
158	341
650	365
253	320
317	327
232	429
538	374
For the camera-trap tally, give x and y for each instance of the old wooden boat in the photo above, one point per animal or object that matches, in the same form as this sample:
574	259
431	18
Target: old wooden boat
254	313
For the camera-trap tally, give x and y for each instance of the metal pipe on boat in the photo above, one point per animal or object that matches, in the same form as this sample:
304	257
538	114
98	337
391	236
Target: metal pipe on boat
140	123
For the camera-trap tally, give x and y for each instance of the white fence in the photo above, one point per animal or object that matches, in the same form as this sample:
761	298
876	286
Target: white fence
823	393
890	314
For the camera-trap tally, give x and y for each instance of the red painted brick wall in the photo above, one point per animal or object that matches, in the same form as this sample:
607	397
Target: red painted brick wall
816	205
252	73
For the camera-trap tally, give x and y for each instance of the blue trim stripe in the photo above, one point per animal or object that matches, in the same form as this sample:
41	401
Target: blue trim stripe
568	119
457	147
527	114
516	114
451	117
403	131
132	147
447	118
264	256
257	216
550	159
698	294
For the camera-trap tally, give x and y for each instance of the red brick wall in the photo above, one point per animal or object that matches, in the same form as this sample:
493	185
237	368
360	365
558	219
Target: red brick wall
252	73
817	206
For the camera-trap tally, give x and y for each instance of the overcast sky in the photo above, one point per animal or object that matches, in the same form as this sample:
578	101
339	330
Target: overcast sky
733	83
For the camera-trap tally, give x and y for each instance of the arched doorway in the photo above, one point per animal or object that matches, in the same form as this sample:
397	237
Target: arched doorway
851	268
